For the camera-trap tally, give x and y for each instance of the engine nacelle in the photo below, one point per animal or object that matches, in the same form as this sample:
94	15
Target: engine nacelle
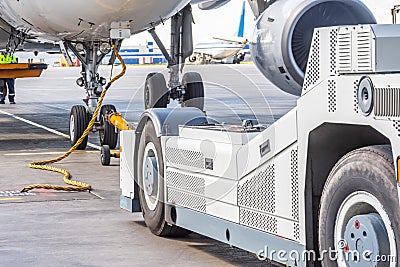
282	38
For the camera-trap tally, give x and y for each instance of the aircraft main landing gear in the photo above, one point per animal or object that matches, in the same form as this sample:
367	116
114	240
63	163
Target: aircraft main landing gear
190	91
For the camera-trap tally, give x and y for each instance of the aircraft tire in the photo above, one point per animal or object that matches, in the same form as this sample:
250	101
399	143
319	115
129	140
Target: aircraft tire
107	133
105	155
194	87
359	205
78	122
156	93
151	164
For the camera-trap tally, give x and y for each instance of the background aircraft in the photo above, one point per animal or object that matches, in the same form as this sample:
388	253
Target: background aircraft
222	48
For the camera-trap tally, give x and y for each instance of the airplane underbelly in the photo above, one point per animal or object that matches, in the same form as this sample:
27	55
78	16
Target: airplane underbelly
73	19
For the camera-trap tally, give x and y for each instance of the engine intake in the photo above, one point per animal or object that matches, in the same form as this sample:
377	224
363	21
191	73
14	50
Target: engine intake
282	37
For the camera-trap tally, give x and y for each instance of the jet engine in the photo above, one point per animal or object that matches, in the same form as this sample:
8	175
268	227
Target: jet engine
282	37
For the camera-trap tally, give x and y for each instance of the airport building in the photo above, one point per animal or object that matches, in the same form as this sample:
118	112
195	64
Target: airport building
42	57
137	54
140	54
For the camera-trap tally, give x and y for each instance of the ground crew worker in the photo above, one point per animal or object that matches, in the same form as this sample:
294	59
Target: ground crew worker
8	82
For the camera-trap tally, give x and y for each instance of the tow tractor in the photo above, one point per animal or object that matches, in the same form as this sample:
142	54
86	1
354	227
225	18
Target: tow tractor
325	177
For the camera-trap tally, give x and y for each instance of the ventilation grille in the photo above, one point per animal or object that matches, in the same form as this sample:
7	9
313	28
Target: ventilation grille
186	182
185	157
294	183
387	102
396	125
332	47
186	200
344	49
296	231
356	108
259	191
364	49
258	220
313	70
331	96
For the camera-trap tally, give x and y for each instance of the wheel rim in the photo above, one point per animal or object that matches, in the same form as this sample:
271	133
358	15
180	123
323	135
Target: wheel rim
150	176
72	128
363	232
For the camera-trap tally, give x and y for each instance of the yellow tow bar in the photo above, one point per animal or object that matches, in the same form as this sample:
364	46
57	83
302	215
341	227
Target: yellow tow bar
44	165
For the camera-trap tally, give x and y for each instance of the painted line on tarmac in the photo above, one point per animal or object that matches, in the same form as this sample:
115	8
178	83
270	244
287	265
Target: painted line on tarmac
10	199
45	128
97	195
45	153
56	107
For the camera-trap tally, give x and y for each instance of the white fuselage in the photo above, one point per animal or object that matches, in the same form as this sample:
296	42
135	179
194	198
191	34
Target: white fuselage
219	50
85	19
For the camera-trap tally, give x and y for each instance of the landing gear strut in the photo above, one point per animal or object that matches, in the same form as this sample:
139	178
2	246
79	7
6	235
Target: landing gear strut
91	54
190	91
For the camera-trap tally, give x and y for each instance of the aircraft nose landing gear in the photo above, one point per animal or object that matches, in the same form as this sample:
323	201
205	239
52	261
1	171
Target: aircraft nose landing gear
91	54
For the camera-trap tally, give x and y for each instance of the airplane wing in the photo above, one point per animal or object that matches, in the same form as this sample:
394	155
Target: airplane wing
208	5
232	40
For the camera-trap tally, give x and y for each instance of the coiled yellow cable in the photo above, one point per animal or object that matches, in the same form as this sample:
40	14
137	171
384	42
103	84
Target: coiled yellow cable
43	165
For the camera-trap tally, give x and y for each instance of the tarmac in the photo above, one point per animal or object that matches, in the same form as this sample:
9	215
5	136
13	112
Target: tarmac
48	228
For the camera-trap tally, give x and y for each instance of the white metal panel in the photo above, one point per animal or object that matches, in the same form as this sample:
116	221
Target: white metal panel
288	229
126	173
213	188
284	192
219	133
223	211
281	134
344	50
204	193
191	155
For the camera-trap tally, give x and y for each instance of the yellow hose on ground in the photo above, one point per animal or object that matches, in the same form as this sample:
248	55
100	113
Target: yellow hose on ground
43	165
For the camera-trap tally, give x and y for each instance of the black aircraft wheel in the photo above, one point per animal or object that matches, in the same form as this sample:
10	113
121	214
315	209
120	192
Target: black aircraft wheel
359	211
107	133
155	91
151	184
105	155
194	90
78	122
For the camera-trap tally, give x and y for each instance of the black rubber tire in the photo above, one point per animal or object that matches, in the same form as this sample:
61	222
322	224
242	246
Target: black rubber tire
368	169
105	155
194	87
107	134
81	122
156	92
155	220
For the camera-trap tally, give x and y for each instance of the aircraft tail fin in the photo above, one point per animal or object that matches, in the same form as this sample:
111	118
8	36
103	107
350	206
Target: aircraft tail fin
240	32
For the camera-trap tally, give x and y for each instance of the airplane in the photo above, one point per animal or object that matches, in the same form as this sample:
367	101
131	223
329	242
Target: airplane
223	48
90	28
